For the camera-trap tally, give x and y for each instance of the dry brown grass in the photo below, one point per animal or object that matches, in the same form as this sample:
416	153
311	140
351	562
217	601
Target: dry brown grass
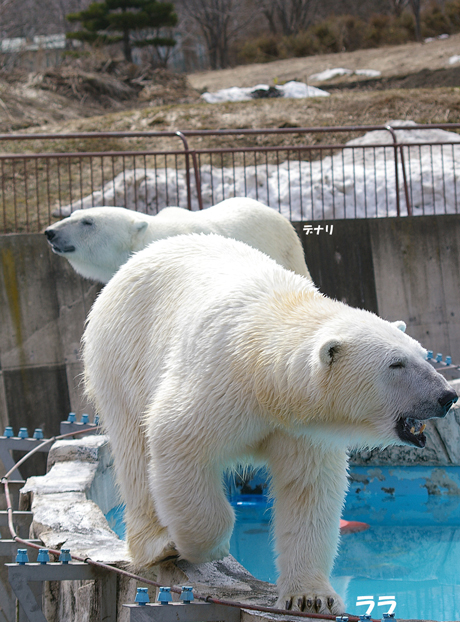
341	108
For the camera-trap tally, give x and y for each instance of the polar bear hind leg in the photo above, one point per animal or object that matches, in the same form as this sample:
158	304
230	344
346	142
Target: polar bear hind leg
148	541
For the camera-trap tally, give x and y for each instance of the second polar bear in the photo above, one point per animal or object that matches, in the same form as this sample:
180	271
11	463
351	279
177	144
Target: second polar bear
202	353
97	241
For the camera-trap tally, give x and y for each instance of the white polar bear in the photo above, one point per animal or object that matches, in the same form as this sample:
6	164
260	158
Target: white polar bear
97	241
202	353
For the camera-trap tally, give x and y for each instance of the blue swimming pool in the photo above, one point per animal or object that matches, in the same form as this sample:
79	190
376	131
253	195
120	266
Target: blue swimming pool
407	561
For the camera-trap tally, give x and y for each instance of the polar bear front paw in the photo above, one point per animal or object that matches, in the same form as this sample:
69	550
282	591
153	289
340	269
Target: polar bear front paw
201	556
314	602
145	553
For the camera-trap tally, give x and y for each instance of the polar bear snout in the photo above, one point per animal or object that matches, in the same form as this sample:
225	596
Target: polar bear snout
56	242
447	400
434	408
410	428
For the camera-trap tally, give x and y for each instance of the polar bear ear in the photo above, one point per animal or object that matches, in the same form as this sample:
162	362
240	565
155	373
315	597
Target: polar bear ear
140	225
329	351
401	325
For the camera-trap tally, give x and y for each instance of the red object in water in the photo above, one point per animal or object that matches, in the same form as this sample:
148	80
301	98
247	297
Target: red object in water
352	526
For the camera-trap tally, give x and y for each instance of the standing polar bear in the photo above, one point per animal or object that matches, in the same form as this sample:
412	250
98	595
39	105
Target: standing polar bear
97	241
202	353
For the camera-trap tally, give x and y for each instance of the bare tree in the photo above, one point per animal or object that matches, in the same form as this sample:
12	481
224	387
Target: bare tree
398	6
288	17
27	18
416	6
219	22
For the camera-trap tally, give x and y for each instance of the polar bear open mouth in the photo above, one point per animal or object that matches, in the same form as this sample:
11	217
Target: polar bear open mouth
62	249
410	430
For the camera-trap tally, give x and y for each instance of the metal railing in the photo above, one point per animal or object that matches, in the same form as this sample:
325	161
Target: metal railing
52	175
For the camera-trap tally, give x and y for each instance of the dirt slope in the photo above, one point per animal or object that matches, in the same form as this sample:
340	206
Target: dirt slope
398	60
85	88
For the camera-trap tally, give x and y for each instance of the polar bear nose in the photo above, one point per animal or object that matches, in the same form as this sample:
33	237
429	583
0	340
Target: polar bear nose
446	401
49	234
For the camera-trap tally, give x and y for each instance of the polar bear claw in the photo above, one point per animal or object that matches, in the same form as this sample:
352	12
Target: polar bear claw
316	602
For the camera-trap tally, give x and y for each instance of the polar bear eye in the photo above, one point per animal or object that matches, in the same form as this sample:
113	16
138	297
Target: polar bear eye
397	365
86	221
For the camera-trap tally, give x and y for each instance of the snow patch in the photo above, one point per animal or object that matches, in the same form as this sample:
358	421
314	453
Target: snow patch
370	73
233	94
296	90
328	74
430	39
383	137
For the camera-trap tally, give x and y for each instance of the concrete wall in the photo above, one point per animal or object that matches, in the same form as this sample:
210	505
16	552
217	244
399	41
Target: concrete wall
404	268
43	305
401	268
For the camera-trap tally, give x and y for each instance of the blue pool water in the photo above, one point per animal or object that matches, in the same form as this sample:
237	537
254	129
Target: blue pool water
410	555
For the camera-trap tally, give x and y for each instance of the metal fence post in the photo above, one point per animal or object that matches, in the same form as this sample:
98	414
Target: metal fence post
189	152
406	190
187	169
197	179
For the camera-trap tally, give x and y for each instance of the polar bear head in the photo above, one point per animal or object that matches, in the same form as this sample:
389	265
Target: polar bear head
375	380
98	240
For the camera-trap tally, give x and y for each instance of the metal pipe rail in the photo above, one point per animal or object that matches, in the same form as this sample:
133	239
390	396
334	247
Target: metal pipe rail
34	445
18	444
231	132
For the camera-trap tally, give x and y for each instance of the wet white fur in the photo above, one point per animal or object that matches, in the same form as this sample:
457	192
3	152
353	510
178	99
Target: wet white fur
105	237
202	353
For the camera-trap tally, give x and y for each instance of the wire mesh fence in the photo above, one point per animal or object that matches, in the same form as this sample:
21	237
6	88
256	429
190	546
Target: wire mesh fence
379	174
